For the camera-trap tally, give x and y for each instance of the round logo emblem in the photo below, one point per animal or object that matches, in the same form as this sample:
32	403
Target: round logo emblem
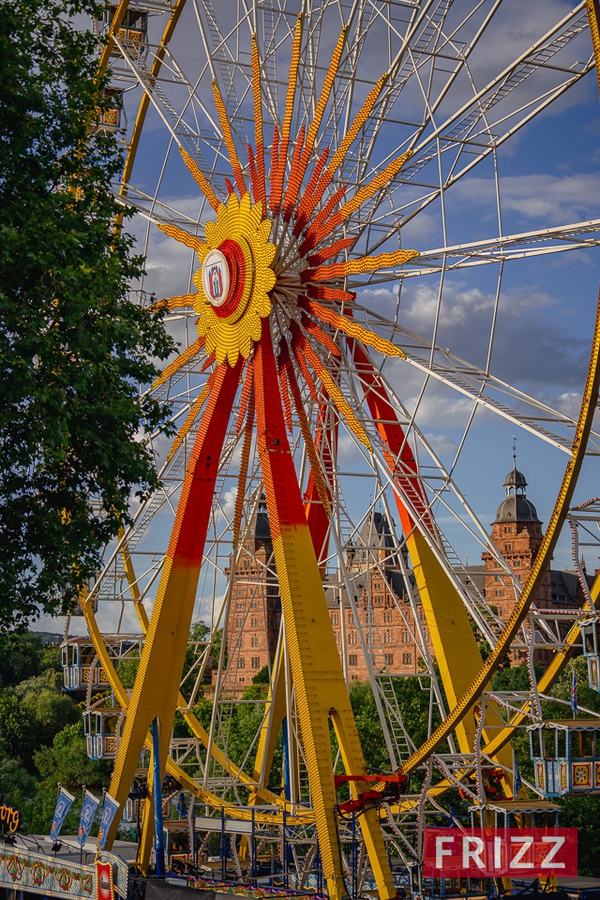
215	277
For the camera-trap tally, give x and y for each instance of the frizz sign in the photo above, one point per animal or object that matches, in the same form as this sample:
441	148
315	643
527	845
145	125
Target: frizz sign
491	852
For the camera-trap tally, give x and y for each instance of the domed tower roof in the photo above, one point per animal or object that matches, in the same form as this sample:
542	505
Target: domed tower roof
515	479
262	529
516	507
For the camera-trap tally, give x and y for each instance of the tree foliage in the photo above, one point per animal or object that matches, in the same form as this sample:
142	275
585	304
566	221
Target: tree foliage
21	657
31	714
73	344
66	761
41	735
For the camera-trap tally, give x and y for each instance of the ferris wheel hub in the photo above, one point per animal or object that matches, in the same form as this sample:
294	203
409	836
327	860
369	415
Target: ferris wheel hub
216	278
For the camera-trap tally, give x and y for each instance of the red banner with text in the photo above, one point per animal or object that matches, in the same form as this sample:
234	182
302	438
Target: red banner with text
507	852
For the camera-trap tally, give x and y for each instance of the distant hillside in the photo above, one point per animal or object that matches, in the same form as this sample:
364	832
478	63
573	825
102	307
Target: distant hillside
49	637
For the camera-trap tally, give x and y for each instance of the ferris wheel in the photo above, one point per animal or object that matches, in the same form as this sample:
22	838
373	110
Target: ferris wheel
303	172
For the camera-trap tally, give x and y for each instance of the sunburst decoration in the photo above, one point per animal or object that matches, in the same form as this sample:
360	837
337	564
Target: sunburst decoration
297	282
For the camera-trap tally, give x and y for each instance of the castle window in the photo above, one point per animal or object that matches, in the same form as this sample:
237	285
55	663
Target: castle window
387	636
334	619
517	563
336	636
254	640
389	659
238	622
352	637
508	548
387	616
254	622
241	663
379	599
499	593
350	618
240	592
405	637
406	659
508	529
256	662
353	659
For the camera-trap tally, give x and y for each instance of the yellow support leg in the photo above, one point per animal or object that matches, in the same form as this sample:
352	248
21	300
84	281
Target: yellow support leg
156	689
315	664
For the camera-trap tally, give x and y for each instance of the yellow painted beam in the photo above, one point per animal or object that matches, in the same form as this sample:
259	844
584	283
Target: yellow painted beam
315	664
275	711
156	687
593	12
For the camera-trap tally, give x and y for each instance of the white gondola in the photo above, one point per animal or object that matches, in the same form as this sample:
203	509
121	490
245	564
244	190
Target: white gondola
80	666
110	119
102	729
566	756
591	645
133	31
82	670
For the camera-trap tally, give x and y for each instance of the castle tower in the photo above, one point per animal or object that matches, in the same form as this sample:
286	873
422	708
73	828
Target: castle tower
255	607
517	533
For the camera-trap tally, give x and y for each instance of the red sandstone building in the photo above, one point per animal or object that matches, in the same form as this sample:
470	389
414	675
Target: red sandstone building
517	533
376	626
373	595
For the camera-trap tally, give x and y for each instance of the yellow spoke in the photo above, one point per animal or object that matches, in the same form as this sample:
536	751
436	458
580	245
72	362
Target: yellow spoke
379	181
228	138
179	302
191	416
352	133
358	266
291	194
243	476
336	395
278	172
181	360
190	240
258	126
311	450
200	179
354	330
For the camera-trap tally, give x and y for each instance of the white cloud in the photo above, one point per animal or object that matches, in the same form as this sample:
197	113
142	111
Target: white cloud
441	444
569	403
226	508
553	199
531	345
